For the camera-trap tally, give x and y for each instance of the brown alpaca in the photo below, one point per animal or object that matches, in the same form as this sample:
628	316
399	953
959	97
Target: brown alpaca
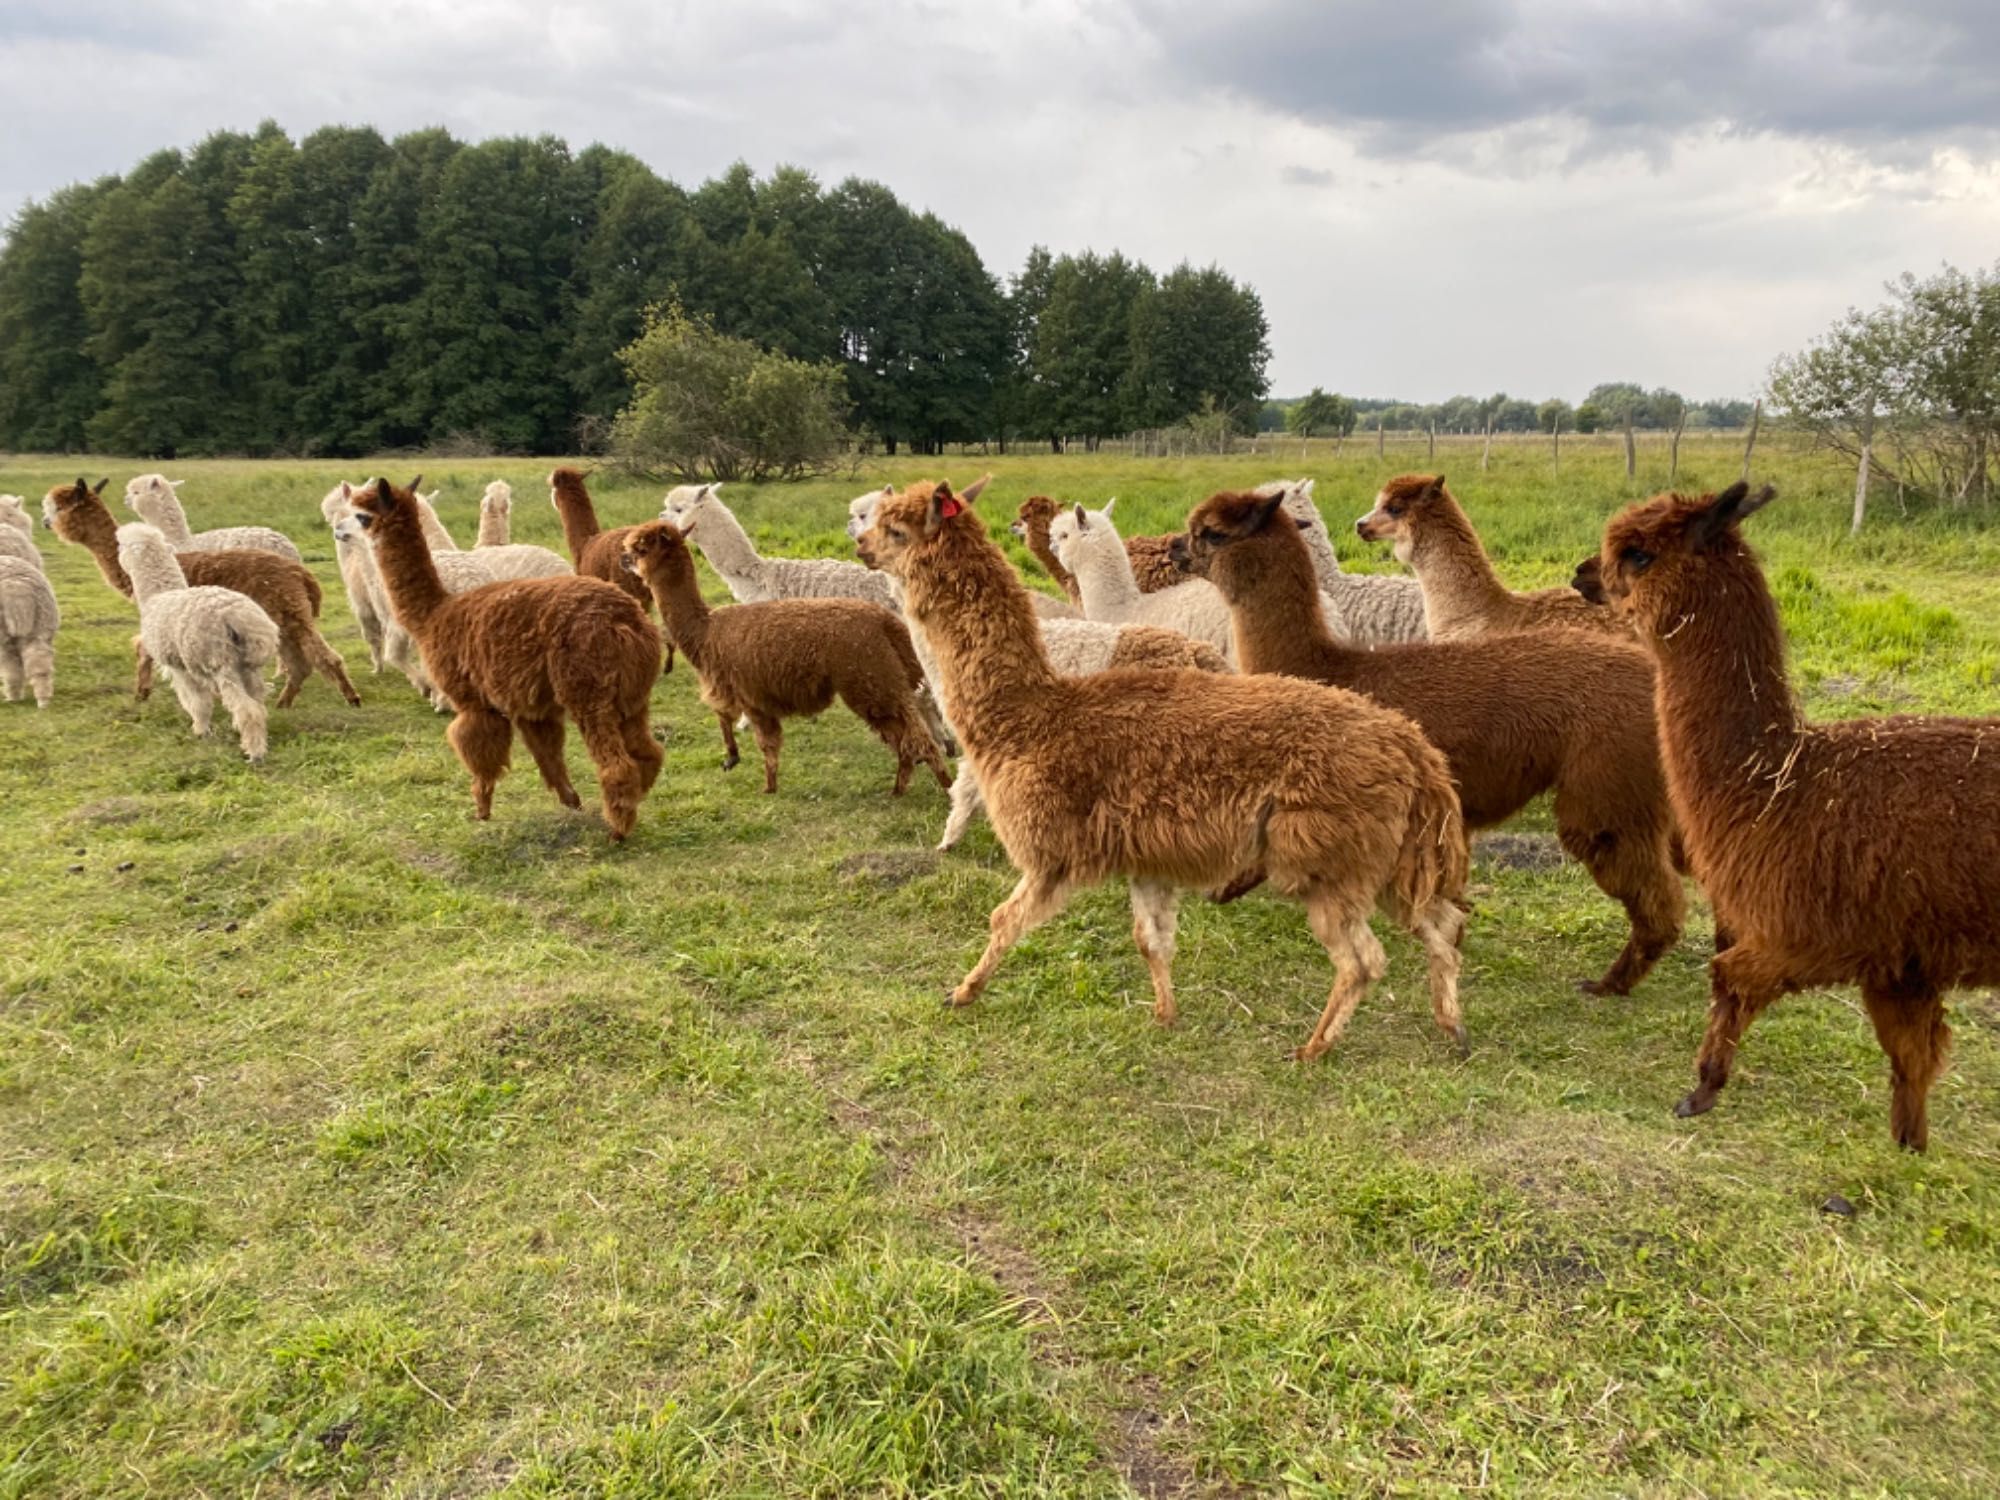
1177	779
521	654
1463	595
285	590
593	550
1152	562
1863	852
788	658
1514	715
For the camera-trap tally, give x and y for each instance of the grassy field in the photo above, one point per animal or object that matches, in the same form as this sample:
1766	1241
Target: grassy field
348	1145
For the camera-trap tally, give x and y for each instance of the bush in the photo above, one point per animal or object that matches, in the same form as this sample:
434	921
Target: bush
708	406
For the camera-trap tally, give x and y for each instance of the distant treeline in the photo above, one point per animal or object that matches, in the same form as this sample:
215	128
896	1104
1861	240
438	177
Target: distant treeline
345	293
1607	406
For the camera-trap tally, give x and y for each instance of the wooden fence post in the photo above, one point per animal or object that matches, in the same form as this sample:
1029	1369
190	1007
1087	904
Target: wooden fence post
1750	444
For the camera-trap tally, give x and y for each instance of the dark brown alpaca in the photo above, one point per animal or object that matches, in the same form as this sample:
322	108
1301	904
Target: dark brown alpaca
1463	595
521	655
1178	779
1152	562
789	658
1515	716
285	590
1864	852
594	550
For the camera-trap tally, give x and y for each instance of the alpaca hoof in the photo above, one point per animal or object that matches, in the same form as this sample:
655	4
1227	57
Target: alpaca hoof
1310	1052
1461	1044
731	762
1167	1020
1591	987
1697	1102
959	998
569	799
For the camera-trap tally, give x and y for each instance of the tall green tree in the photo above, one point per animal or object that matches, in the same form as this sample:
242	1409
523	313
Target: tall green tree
1198	337
1084	354
50	386
629	261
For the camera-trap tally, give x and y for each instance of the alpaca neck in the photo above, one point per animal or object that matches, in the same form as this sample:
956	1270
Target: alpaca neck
579	519
494	527
164	514
1106	585
1461	589
435	536
1274	606
409	575
682	609
1038	546
1325	561
728	548
980	628
99	538
154	572
1728	721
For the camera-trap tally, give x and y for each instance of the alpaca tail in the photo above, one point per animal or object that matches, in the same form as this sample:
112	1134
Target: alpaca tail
1434	863
314	594
906	653
1677	851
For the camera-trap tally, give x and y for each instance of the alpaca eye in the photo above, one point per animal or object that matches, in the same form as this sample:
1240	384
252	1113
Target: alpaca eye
897	533
1210	535
1638	559
1394	511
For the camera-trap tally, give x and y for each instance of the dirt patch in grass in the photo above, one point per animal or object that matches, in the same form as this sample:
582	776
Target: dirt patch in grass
888	868
1518	851
110	811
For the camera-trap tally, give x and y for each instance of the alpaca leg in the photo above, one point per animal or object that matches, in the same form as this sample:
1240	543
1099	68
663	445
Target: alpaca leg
934	720
1155	908
1740	984
770	739
621	778
39	657
296	669
894	732
544	739
246	712
1034	901
1440	928
1636	871
485	742
142	671
1910	1025
327	661
642	748
731	758
1341	925
927	746
13	680
196	699
965	802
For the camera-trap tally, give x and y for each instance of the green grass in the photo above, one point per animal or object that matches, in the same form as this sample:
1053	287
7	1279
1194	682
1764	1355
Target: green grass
348	1145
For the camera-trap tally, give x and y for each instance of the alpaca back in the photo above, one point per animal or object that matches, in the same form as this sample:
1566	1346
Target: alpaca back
460	571
792	656
19	546
14	513
28	609
827	578
208	631
534	648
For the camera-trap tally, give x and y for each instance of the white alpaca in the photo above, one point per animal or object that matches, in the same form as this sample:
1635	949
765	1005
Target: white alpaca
1087	543
1375	611
211	643
14	513
152	499
699	514
357	568
435	536
496	515
28	622
20	546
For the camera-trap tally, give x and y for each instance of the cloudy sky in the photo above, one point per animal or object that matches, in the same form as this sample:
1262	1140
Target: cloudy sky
1459	195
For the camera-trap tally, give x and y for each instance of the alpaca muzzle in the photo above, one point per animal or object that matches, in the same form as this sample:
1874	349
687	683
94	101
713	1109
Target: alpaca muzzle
1372	528
1179	556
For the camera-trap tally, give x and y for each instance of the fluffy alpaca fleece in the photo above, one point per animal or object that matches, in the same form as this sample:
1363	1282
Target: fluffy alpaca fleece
20	547
789	658
1862	852
496	515
698	513
357	576
435	536
286	591
153	499
1087	542
1178	779
213	643
28	622
520	655
14	513
1516	716
1152	566
596	552
1373	611
1463	595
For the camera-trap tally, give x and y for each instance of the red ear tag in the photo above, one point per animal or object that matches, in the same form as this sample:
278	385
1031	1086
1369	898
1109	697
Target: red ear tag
949	506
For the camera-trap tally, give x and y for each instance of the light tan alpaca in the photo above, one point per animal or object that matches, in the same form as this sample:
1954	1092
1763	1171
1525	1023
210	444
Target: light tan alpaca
1177	779
1463	595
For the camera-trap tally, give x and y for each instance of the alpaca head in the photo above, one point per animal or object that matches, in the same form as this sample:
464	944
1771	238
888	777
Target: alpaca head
148	492
68	509
1037	514
566	487
1657	553
334	504
1213	546
656	548
498	499
1076	535
1401	507
685	504
1589	581
861	510
379	506
909	524
14	512
147	559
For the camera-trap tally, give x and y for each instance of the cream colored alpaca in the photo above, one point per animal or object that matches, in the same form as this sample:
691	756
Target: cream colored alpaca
496	515
212	643
152	498
698	514
14	513
1377	611
28	622
20	546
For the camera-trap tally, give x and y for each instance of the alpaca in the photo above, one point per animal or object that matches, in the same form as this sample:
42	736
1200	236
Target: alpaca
213	643
496	515
14	513
1588	580
28	623
1152	567
356	570
1463	595
1859	852
1178	779
1374	611
521	654
698	513
153	499
286	591
1087	542
595	551
1515	716
787	658
861	509
435	536
19	546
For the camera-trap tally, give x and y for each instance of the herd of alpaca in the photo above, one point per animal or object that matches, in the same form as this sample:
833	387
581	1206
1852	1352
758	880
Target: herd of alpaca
1217	709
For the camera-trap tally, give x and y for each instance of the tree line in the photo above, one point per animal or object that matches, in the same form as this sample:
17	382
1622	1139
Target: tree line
348	293
1606	408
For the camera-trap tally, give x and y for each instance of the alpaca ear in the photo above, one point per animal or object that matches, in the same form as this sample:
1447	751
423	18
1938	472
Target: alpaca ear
98	488
1437	484
1264	509
1729	508
1108	504
972	491
944	505
416	483
346	490
1081	522
385	494
712	490
174	484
